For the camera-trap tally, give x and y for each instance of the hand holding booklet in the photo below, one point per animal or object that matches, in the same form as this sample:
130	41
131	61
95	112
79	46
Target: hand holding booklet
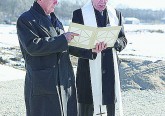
89	36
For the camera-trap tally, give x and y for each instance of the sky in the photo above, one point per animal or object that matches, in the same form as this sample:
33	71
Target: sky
141	4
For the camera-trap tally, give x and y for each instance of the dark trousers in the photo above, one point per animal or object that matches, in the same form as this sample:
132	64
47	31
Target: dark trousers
87	109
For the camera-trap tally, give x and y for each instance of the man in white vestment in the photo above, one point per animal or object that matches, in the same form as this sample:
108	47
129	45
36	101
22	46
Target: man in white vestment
97	78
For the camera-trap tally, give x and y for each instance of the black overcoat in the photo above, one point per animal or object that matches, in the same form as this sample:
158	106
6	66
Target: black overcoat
83	81
49	82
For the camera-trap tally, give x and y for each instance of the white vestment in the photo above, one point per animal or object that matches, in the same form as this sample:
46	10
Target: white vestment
95	65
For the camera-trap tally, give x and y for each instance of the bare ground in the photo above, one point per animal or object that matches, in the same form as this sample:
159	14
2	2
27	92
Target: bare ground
143	75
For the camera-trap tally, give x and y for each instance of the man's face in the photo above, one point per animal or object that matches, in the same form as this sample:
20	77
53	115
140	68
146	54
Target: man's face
48	5
100	5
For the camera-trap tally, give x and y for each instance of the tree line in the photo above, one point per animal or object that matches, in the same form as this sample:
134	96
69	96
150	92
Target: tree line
145	15
10	10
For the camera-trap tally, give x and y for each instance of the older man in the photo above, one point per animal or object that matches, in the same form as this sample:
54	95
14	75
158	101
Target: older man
93	65
49	82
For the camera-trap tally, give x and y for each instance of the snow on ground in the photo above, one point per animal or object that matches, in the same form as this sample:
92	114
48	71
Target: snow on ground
8	35
143	27
149	46
8	73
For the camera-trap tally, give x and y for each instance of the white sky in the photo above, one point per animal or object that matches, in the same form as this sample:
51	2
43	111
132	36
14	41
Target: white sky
142	4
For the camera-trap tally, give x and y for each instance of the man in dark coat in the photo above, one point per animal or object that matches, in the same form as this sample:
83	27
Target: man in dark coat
49	82
103	16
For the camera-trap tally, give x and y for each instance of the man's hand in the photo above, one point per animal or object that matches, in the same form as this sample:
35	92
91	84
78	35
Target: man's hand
70	35
99	47
118	45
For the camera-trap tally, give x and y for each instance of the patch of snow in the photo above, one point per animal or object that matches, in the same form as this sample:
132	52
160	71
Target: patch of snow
8	73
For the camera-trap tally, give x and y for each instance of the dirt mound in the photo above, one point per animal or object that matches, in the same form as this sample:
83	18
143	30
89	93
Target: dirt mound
134	73
142	74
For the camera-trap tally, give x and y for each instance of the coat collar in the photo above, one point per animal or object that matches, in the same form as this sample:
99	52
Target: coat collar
38	8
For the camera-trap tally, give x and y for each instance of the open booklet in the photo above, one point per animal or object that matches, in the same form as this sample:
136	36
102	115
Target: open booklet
89	36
